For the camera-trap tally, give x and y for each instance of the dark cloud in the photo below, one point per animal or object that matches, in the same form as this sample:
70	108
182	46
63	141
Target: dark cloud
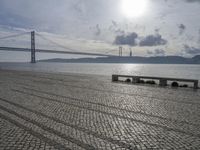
129	39
191	50
156	52
182	28
153	40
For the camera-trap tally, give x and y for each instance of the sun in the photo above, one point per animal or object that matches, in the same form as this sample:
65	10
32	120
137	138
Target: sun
133	8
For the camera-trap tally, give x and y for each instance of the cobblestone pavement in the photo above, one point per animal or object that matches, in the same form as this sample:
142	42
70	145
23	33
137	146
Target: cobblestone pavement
72	111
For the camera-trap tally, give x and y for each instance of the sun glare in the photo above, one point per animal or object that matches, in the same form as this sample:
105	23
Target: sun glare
133	8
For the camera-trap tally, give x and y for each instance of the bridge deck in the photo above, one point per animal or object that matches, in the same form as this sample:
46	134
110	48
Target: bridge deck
53	51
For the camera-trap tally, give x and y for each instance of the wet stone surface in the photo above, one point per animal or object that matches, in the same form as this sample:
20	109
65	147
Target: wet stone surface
72	111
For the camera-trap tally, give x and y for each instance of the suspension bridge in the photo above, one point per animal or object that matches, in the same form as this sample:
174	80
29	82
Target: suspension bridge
33	50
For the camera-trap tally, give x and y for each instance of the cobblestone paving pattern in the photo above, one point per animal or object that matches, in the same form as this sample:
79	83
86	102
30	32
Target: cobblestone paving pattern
72	111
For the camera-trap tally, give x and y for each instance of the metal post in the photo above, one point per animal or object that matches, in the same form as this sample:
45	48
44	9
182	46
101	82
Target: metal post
196	85
120	51
33	47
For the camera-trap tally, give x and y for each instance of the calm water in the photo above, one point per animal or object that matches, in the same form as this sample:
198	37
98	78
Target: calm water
180	71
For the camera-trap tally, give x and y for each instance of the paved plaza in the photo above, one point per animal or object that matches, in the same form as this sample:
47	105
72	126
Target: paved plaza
73	111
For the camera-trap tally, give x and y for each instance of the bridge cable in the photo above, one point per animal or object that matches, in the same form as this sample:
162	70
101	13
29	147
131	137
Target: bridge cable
112	50
55	43
15	35
62	46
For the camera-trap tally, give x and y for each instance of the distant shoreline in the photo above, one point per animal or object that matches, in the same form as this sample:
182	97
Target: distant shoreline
131	60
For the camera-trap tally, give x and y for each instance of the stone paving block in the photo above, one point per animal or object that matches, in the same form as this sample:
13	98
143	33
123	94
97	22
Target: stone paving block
71	111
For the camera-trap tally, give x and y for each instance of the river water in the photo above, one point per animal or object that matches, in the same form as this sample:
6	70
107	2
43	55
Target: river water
161	70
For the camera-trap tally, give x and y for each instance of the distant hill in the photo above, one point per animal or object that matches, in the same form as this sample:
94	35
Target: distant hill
135	59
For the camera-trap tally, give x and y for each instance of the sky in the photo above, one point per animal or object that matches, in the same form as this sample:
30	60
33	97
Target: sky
147	27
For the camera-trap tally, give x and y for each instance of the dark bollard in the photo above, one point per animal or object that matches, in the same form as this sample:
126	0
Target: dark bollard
174	84
128	80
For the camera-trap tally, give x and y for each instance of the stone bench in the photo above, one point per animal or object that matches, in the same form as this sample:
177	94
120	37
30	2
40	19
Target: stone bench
162	80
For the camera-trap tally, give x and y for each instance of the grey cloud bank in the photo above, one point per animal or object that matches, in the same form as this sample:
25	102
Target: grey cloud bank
132	38
153	40
129	39
191	50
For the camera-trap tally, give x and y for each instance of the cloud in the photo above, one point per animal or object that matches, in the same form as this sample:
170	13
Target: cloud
153	40
115	28
132	38
182	28
71	17
191	50
156	52
191	1
114	23
119	31
157	30
129	39
199	36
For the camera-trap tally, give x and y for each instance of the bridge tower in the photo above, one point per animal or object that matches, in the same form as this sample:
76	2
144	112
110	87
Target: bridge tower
131	52
120	51
33	47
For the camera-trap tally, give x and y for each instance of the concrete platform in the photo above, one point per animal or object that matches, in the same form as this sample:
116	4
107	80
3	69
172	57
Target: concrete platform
73	111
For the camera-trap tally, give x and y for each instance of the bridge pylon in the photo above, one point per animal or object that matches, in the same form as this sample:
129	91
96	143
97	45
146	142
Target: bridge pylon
33	47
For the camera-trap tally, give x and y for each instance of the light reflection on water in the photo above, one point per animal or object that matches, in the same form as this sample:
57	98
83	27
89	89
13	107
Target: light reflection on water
162	70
